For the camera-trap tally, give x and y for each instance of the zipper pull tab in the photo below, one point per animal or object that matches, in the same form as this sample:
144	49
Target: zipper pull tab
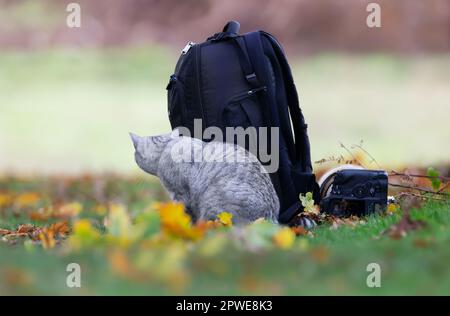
263	88
187	47
172	79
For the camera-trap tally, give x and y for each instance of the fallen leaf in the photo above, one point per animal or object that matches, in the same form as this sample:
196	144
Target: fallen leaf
284	238
40	215
176	223
83	227
83	234
26	199
320	254
392	208
14	276
4	232
5	199
25	229
225	218
22	231
300	231
69	210
406	224
337	222
47	237
421	243
60	229
308	203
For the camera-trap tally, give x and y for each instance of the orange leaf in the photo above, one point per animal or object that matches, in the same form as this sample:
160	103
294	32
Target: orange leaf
300	231
47	238
60	229
27	199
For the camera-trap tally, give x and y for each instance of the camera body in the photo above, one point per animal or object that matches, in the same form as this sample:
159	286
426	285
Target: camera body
355	192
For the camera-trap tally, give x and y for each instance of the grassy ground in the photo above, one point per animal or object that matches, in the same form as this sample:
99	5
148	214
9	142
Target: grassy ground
147	252
71	110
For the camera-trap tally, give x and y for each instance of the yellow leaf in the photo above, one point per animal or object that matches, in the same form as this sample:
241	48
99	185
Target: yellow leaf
5	199
83	235
70	209
392	208
226	218
83	227
27	199
172	214
284	238
176	223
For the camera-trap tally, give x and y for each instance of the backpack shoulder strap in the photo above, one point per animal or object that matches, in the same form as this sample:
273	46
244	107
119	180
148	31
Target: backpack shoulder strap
302	145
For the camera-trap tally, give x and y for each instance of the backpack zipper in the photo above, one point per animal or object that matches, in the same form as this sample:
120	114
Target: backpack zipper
197	75
187	48
246	94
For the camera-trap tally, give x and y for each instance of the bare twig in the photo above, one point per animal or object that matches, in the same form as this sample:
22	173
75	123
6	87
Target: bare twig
367	153
401	194
351	154
416	188
330	159
395	173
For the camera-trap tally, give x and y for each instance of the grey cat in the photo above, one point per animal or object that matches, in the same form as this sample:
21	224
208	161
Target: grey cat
203	177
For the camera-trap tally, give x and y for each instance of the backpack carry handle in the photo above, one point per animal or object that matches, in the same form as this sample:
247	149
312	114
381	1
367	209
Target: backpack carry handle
230	30
232	27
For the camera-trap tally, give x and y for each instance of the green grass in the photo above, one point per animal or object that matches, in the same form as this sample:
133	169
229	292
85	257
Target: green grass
331	262
71	110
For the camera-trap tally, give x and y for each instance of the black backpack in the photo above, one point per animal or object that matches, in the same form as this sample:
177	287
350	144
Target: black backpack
245	80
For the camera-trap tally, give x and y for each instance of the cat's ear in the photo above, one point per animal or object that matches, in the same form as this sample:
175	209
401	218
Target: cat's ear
136	140
175	134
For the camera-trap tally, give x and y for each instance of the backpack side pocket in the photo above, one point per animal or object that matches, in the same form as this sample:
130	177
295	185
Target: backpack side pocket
176	102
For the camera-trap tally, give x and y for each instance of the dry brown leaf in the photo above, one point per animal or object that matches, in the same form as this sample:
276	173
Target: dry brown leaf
300	231
60	229
422	243
14	276
25	229
406	224
320	254
4	232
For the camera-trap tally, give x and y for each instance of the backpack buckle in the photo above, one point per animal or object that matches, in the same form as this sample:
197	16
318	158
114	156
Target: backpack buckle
251	78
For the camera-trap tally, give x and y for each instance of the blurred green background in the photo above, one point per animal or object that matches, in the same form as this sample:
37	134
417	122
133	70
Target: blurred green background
69	97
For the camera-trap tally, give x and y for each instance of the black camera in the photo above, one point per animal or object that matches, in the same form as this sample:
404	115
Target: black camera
346	192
